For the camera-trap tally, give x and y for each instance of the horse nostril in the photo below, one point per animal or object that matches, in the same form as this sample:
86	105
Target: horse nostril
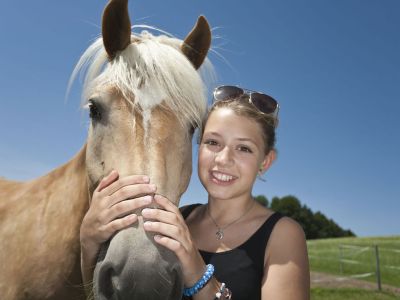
108	284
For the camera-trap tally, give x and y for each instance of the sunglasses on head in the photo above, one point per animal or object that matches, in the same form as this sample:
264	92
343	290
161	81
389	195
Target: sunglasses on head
264	103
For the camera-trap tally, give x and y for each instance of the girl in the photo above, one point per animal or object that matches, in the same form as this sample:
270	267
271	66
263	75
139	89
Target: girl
231	247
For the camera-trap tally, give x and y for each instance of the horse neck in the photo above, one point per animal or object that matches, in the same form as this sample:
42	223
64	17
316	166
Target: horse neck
66	186
47	211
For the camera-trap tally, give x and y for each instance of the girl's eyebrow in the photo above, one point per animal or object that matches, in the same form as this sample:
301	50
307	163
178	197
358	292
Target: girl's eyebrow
240	139
212	133
250	140
244	139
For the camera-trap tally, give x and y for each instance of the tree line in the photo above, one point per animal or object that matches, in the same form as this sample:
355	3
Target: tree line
315	225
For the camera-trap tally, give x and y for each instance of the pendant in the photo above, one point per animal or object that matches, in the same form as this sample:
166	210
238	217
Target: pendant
219	234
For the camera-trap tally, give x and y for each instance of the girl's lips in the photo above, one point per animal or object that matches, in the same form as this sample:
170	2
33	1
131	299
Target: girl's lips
222	178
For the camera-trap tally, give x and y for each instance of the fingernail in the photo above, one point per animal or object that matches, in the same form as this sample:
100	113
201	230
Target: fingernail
145	178
153	187
157	237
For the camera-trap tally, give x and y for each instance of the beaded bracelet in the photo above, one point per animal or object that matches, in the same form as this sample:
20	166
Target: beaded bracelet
224	293
201	283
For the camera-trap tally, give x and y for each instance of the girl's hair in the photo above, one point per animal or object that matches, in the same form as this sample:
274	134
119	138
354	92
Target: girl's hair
267	122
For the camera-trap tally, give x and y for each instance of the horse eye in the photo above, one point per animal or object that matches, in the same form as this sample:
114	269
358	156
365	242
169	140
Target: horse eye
94	110
192	129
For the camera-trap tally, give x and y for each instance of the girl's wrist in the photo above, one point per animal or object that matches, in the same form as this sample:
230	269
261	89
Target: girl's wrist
208	291
191	279
89	251
193	268
193	289
88	244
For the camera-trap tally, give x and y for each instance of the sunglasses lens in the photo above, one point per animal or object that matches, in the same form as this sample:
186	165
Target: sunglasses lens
264	103
227	92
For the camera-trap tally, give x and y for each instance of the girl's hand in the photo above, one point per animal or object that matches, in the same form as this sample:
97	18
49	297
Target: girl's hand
174	234
112	206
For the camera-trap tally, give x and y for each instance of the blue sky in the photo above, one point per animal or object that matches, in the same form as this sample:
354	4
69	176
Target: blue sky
334	66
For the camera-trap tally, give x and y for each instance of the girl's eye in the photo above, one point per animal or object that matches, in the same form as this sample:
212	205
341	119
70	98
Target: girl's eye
245	149
211	142
94	110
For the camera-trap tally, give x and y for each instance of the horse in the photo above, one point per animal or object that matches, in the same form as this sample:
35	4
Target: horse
145	94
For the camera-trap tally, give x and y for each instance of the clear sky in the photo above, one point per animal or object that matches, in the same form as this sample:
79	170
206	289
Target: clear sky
334	66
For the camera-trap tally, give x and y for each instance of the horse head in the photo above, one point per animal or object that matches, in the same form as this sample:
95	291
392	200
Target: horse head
145	97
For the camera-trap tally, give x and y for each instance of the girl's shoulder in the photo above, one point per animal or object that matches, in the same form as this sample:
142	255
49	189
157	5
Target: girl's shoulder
286	260
286	238
289	226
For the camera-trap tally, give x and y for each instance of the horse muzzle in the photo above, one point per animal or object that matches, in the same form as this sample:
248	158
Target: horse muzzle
131	266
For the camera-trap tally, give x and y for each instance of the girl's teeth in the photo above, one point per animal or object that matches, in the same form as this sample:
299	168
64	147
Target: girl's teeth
223	177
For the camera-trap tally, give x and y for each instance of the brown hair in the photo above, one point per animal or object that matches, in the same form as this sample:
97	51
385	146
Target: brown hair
267	122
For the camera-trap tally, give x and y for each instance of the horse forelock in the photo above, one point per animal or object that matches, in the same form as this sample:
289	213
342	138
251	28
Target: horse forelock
150	71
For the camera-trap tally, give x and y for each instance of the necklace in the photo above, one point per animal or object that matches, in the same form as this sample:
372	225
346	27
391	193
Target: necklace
220	229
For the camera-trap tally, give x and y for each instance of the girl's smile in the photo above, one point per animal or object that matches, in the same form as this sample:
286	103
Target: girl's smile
222	178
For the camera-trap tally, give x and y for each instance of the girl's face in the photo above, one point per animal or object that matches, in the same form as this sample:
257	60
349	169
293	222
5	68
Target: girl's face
231	154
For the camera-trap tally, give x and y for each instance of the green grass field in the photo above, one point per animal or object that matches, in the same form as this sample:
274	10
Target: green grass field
357	294
356	257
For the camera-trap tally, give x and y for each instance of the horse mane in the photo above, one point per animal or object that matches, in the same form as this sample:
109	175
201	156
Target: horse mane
150	70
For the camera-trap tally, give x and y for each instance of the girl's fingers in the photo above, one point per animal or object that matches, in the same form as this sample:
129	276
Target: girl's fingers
119	224
125	207
169	243
162	216
124	181
169	230
166	220
166	204
106	181
129	192
177	232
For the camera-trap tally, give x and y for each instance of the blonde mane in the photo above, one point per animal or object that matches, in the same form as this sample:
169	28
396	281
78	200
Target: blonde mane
151	70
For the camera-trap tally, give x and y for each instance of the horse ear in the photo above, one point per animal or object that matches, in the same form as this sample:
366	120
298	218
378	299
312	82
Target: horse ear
116	27
198	41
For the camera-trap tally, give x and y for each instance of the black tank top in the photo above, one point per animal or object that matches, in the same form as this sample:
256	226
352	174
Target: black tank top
242	268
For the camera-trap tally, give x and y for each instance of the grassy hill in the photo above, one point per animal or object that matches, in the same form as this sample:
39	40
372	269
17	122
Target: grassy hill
356	258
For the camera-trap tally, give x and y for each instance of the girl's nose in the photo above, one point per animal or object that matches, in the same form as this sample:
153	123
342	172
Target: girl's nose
224	157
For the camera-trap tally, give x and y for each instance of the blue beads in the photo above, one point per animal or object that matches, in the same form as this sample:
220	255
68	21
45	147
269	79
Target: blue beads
201	283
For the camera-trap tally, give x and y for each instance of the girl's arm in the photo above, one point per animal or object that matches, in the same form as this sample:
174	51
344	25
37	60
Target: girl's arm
286	270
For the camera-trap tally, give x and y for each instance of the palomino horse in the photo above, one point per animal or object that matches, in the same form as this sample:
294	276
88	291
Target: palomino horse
145	96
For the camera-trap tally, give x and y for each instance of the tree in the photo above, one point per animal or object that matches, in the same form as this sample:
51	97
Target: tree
262	200
315	225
